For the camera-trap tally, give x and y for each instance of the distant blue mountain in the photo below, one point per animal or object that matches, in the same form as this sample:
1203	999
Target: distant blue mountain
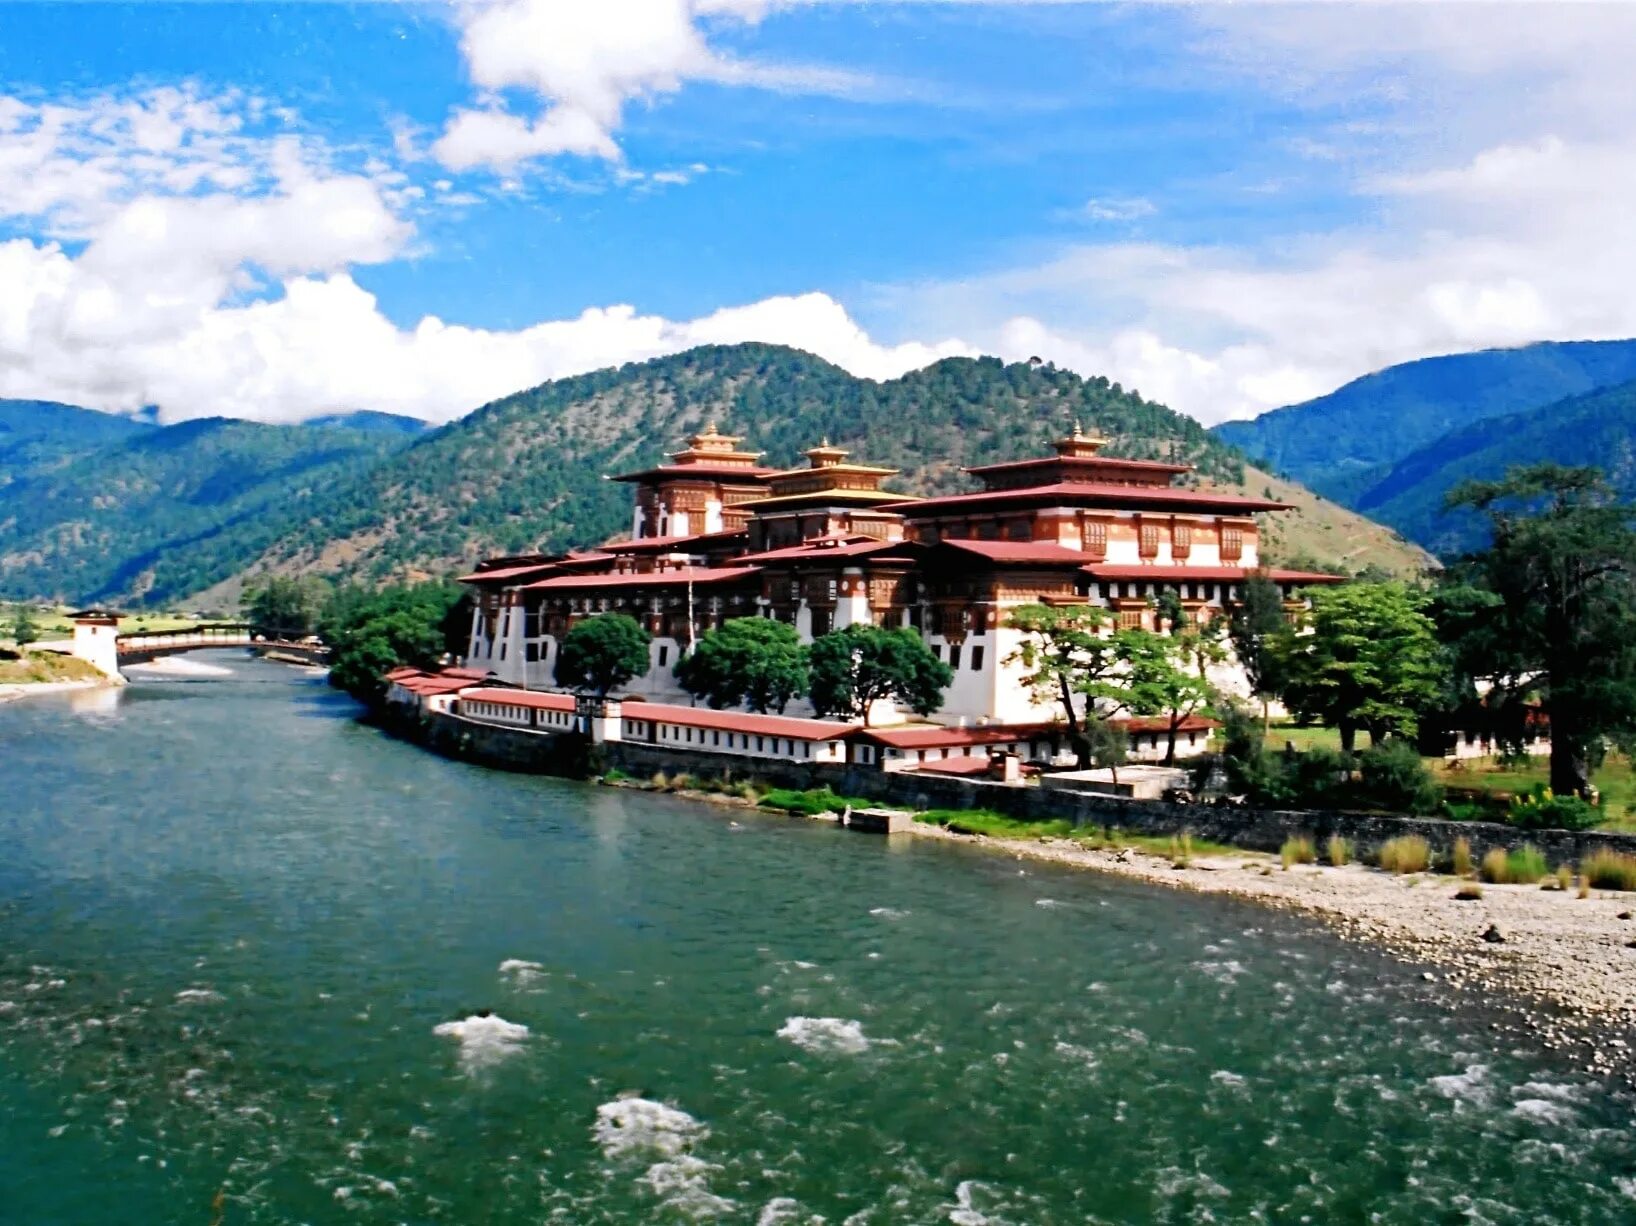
1343	443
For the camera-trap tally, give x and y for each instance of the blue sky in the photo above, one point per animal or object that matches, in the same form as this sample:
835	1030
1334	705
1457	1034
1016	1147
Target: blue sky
281	210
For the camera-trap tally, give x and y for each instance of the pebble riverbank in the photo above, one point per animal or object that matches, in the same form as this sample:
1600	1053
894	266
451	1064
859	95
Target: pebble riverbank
12	691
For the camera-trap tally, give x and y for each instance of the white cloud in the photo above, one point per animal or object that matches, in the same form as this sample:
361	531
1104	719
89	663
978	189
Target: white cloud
581	63
1118	208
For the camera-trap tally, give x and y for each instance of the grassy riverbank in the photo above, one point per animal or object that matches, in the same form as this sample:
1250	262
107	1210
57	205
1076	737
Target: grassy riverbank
43	667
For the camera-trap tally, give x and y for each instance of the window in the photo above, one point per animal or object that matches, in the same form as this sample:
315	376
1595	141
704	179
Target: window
977	659
533	653
759	746
1130	619
1150	540
664	655
717	740
502	651
1181	540
1232	544
1018	530
1096	537
954	655
937	650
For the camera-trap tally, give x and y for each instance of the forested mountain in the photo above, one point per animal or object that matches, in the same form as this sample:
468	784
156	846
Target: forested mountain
526	472
39	435
372	422
1597	429
1343	443
159	513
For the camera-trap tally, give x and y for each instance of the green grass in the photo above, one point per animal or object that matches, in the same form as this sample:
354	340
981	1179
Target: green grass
1523	865
39	666
1615	778
812	802
53	623
1298	849
995	825
1104	838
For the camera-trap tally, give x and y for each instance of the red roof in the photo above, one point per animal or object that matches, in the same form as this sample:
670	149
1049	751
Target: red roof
739	721
935	736
532	699
957	764
653	578
749	474
1206	574
1099	492
1080	461
659	544
1016	552
500	573
833	546
1161	723
418	681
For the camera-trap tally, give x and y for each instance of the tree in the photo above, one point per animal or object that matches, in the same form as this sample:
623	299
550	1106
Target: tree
1063	650
853	668
1255	627
1371	660
370	633
754	661
1157	677
284	607
24	629
602	653
1549	608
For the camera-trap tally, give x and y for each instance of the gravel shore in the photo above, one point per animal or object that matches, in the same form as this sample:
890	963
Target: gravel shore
10	691
1517	946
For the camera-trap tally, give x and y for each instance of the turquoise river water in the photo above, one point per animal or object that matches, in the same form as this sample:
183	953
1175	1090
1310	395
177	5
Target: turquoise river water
259	963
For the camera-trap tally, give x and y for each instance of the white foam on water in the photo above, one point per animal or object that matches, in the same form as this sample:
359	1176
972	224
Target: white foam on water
1226	970
181	666
199	996
1560	1092
825	1034
1046	902
1173	1181
1471	1086
484	1040
780	1211
1625	1186
521	972
683	1184
1079	1055
1543	1111
889	913
964	1211
1229	1079
642	1126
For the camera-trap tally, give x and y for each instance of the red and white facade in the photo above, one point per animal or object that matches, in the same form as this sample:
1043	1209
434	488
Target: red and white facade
715	536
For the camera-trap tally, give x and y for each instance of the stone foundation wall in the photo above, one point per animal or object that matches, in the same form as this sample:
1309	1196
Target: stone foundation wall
1253	829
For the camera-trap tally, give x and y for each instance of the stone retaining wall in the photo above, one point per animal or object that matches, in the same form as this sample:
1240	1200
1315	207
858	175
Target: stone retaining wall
1253	829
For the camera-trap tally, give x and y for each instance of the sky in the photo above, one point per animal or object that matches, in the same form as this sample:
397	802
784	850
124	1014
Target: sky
275	211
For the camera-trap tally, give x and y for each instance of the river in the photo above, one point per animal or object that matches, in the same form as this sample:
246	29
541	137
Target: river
260	963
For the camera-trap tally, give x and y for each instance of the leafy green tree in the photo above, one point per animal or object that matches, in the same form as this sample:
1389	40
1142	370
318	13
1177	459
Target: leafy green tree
754	661
1256	626
285	607
1063	651
24	629
855	667
1157	677
1549	608
1370	660
602	653
369	634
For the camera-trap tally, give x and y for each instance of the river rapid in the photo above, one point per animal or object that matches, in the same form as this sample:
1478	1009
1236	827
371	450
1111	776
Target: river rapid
262	964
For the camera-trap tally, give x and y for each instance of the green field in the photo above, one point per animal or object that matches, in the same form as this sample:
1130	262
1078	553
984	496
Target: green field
1615	778
52	622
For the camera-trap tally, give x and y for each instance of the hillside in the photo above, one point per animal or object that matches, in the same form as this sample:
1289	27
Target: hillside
155	514
39	435
1345	442
525	472
1597	429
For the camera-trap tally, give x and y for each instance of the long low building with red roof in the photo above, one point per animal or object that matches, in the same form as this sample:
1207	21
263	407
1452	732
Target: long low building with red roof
717	535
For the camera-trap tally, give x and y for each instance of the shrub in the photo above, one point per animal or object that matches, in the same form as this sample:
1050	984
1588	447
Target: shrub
996	825
615	775
682	782
1338	851
810	803
1541	809
1606	869
1407	853
659	781
1298	849
1181	850
1318	777
1392	775
1460	861
1523	865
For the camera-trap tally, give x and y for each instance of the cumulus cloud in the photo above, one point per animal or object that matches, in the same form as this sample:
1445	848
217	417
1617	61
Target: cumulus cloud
577	65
